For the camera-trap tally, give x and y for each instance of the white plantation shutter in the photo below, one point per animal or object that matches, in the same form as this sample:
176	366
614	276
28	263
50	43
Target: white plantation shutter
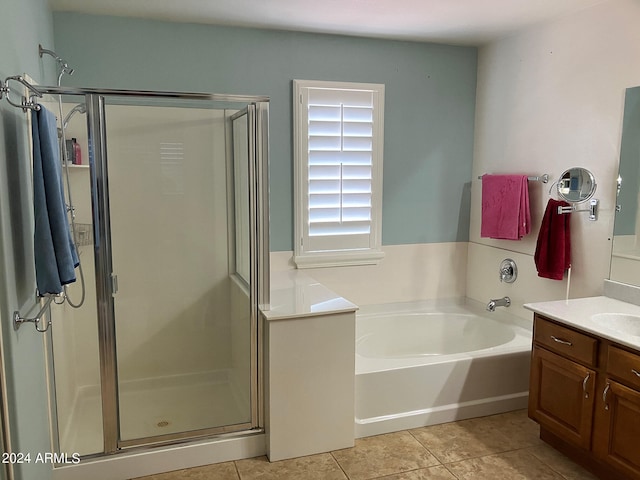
338	132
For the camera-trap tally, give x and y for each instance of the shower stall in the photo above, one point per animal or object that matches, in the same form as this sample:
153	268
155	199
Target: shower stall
159	340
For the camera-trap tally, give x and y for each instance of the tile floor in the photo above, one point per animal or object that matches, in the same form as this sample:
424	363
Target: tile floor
497	447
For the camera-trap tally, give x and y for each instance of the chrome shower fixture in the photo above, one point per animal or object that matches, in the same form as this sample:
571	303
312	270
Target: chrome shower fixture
64	66
498	302
80	108
508	271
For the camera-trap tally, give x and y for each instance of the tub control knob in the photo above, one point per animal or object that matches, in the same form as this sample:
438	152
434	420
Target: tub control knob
508	271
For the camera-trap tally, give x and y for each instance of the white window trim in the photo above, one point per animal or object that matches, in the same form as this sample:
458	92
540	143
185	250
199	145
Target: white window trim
329	258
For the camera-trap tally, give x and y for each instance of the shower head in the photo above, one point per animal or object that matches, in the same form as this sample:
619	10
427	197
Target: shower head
80	108
64	66
66	69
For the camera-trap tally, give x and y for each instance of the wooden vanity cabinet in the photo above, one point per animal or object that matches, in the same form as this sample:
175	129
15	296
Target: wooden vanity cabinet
561	396
617	436
585	394
562	382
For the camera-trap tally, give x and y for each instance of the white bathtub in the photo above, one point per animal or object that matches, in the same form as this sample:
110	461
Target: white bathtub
424	363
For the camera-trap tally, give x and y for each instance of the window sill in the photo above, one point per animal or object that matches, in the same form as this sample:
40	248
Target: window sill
338	259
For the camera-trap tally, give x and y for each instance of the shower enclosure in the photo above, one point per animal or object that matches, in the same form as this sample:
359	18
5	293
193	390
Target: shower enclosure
170	204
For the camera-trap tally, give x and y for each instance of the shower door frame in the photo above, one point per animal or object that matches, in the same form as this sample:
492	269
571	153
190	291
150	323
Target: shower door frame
258	133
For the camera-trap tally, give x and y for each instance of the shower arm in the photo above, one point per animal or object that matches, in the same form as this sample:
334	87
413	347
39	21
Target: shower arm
64	66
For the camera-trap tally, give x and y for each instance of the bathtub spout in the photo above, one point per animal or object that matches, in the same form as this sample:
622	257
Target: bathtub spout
498	302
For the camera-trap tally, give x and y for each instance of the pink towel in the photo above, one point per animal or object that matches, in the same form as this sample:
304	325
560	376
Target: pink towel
505	207
553	249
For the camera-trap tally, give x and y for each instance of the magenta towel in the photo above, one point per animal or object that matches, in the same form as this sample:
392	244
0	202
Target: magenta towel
553	249
505	207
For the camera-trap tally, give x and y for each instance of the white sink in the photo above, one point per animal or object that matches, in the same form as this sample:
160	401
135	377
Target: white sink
620	322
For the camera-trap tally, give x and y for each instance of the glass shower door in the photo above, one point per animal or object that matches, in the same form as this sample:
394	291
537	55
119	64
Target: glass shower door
183	315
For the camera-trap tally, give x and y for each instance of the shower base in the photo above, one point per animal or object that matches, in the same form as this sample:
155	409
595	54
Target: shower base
157	406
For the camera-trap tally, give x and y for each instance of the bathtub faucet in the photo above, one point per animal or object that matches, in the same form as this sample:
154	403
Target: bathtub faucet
498	302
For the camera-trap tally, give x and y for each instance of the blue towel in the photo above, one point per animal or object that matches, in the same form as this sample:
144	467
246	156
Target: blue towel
54	251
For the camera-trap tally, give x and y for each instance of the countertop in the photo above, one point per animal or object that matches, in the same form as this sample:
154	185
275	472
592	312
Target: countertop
295	294
577	313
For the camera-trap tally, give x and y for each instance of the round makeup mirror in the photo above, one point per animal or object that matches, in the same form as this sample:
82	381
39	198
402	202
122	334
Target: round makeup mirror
576	185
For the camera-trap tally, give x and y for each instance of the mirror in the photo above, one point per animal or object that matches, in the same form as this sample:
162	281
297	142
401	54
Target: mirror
576	185
625	259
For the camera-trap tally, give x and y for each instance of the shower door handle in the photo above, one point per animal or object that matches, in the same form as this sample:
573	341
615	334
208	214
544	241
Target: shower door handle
114	284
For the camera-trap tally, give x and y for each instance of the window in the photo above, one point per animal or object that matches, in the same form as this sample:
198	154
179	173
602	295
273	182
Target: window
338	143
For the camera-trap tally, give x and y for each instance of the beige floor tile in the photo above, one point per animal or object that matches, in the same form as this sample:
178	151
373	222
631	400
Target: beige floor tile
515	465
561	464
218	471
313	467
452	442
505	446
432	473
381	455
517	427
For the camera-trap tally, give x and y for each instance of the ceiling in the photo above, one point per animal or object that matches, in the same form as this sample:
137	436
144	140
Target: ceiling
458	22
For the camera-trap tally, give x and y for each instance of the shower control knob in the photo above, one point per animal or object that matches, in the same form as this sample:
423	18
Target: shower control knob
508	271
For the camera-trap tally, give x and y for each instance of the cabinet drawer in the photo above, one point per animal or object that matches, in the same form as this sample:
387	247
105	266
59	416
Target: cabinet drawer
565	341
624	365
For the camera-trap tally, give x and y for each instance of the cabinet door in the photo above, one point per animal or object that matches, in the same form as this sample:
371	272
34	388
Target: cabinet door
621	413
561	396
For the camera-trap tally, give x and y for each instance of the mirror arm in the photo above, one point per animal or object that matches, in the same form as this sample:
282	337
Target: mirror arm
593	209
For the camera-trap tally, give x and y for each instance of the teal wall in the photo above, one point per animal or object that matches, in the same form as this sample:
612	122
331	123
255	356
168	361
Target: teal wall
23	25
429	107
629	165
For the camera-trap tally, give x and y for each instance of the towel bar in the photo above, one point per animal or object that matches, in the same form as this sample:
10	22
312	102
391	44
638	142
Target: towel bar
18	320
593	209
542	178
27	103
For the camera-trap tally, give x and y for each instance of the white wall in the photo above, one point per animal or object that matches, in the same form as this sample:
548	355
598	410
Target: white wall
550	98
407	273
